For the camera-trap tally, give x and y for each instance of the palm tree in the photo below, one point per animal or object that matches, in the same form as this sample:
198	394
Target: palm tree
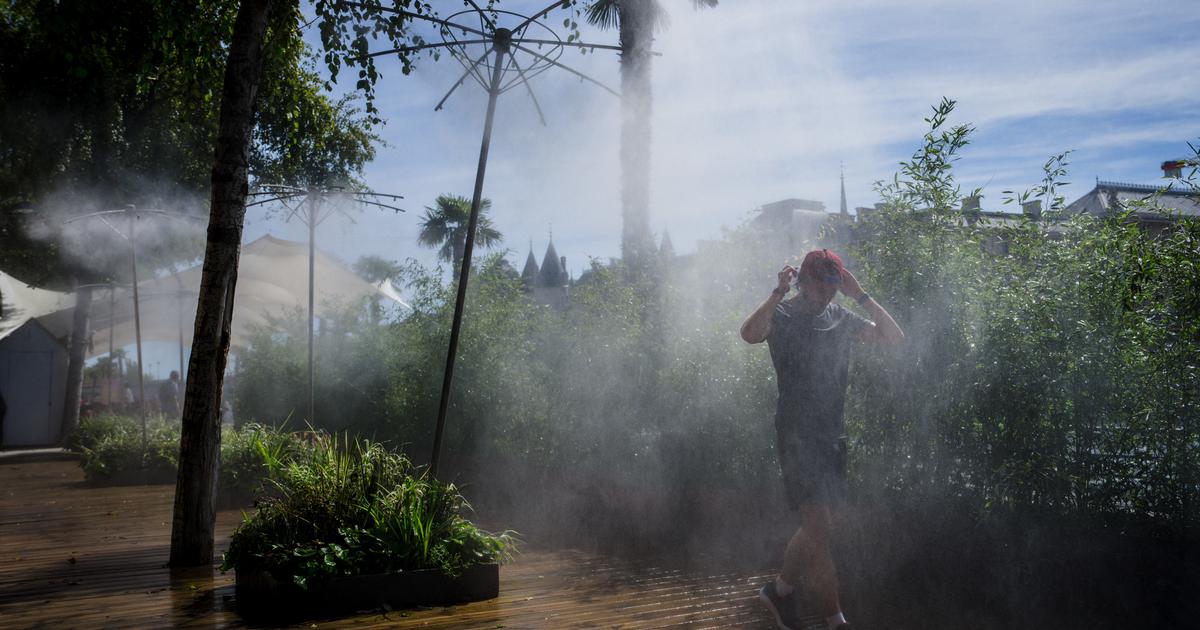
637	21
445	227
376	270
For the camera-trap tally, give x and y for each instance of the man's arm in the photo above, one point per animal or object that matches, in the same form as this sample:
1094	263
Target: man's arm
885	330
756	327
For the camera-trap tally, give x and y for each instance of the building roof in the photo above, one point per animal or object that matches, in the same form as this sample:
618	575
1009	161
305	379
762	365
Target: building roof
793	204
784	214
1109	198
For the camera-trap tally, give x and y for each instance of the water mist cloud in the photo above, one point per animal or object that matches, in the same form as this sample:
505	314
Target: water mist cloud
98	243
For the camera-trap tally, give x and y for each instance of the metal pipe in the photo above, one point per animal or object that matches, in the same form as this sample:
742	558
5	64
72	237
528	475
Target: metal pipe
313	211
112	291
179	303
137	322
501	48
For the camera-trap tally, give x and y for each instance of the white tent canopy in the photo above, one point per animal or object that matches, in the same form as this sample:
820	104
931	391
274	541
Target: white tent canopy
272	282
22	303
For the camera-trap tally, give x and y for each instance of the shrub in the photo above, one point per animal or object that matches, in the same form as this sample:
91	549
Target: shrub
252	454
1057	377
112	444
1057	373
93	430
354	508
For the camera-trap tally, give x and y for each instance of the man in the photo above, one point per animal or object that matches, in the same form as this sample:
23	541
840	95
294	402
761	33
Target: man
168	396
809	337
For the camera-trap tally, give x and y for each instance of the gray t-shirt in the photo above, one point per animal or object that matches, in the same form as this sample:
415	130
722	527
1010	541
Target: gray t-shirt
811	354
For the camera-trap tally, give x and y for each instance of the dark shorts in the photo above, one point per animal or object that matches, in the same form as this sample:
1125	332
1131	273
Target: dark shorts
814	470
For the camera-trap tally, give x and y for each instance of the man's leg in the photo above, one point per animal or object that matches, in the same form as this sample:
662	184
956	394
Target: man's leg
808	559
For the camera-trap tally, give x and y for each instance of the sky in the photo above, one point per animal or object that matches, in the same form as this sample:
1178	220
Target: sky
760	101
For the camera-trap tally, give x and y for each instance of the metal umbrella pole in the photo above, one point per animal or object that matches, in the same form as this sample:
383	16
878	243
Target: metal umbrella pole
180	296
313	218
313	197
137	324
501	48
108	369
132	213
505	44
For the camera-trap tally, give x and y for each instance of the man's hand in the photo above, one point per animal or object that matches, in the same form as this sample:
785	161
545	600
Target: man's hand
758	325
883	329
850	287
786	276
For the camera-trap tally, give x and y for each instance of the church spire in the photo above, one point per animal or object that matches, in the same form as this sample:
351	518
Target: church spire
842	169
530	273
666	250
553	270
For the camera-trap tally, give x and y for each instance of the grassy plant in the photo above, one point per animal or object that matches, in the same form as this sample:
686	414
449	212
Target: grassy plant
251	454
110	444
353	508
91	431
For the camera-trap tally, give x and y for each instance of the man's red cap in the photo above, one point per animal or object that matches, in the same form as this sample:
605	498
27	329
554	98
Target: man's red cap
820	263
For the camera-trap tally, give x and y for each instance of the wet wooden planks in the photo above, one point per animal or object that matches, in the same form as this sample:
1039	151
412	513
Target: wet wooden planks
83	557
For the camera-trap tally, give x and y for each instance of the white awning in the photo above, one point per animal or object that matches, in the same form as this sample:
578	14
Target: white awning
272	282
22	303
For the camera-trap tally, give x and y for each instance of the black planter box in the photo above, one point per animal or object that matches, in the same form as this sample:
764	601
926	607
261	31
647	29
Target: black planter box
259	594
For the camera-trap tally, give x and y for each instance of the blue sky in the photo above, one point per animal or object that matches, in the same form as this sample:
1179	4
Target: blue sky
759	101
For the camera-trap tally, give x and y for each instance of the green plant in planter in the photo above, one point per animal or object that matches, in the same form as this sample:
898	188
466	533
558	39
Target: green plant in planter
354	508
109	445
251	454
91	431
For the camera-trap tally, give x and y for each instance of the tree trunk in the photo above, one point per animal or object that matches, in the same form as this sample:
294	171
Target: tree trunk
200	446
76	356
637	27
460	246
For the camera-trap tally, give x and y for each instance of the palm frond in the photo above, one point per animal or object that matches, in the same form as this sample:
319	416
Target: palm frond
444	226
603	14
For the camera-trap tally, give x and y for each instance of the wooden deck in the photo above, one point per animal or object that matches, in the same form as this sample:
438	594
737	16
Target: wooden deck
73	556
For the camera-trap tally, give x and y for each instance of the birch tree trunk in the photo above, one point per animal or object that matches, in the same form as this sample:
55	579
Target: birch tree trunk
200	446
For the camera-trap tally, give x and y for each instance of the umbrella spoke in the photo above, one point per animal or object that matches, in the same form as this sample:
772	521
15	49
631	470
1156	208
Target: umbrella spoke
568	69
381	205
406	49
552	42
461	78
529	88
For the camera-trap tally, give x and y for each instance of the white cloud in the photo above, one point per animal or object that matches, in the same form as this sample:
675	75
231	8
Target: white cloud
756	101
